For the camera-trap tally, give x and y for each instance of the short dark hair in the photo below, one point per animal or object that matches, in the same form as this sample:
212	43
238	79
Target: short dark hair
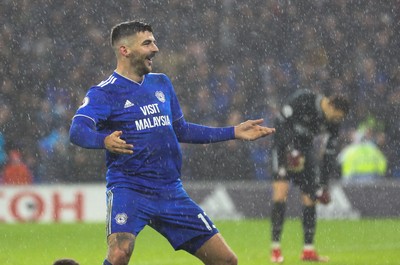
65	262
340	103
128	28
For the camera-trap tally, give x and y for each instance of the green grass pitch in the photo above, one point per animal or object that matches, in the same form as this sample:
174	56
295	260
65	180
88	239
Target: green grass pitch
361	242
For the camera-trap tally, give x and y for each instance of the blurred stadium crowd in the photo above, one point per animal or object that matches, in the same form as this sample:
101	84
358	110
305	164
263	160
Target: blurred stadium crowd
229	60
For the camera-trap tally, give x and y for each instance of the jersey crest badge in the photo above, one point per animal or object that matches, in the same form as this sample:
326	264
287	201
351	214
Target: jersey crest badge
121	218
160	95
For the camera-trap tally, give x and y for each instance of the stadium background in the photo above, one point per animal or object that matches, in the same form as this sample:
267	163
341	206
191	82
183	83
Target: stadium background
229	61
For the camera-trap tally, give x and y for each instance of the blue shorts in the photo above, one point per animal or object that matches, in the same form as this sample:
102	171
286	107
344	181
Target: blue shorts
173	214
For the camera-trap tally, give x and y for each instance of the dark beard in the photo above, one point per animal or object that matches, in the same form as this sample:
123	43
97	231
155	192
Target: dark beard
140	67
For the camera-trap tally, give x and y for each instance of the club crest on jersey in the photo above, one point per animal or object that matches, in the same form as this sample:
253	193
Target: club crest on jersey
121	218
160	95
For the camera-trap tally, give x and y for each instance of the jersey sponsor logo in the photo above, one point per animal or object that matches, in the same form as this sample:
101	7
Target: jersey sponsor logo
160	96
156	121
121	218
128	104
85	101
151	122
150	109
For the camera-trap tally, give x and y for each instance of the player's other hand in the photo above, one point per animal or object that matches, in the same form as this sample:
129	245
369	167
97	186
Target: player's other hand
251	130
323	196
115	144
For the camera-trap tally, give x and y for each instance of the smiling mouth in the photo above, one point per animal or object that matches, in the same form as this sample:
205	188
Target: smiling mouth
149	60
150	57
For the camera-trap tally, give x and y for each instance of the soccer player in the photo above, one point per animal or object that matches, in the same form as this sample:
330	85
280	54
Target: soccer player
135	115
304	116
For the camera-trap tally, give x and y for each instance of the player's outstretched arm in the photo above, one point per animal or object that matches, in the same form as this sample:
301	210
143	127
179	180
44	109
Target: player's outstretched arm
252	130
115	144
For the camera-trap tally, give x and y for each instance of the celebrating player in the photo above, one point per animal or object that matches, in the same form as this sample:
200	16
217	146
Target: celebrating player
135	115
302	118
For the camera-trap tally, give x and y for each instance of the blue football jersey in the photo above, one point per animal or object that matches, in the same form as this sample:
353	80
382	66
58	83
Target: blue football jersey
144	112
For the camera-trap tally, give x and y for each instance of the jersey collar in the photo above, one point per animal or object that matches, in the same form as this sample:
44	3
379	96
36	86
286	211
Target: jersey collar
128	79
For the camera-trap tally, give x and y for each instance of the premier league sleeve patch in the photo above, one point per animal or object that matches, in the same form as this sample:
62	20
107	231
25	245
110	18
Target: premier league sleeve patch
85	102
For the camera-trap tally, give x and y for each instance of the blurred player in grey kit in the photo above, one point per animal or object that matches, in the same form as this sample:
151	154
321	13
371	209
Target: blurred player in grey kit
304	116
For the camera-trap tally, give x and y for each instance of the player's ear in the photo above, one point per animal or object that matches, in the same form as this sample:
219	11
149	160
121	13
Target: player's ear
123	50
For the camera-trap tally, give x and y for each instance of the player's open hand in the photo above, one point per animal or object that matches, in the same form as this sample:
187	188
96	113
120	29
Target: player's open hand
115	144
252	130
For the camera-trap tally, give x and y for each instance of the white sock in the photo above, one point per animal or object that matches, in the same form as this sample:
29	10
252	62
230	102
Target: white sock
308	247
276	245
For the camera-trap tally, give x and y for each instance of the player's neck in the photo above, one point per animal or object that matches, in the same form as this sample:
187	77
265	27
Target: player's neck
129	74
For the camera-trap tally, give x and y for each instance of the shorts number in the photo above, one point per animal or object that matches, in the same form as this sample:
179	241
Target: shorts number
201	216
